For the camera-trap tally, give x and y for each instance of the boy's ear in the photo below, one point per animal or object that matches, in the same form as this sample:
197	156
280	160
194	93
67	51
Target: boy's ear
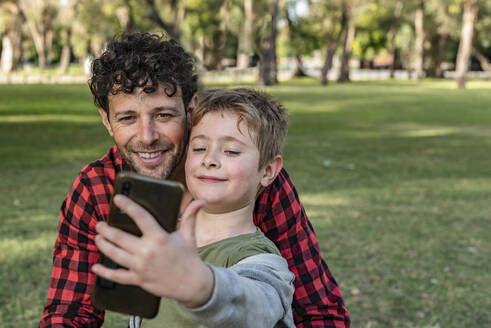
105	120
271	171
193	103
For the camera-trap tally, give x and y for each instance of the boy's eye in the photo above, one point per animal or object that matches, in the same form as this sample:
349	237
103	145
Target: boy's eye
198	149
232	152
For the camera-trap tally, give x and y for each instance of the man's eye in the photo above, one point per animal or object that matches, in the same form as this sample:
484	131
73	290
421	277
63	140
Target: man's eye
126	118
232	152
164	115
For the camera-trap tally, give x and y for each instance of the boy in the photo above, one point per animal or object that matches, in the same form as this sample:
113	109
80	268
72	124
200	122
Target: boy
234	152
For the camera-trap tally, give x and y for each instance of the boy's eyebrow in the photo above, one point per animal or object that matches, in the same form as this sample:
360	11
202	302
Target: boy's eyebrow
224	138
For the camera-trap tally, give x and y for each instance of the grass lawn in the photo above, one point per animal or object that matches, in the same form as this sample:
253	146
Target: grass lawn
395	177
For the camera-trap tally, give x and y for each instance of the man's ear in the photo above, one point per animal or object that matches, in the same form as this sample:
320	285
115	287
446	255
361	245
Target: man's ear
271	171
193	103
105	120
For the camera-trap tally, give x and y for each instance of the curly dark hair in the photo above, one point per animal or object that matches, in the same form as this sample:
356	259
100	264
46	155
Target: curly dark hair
142	60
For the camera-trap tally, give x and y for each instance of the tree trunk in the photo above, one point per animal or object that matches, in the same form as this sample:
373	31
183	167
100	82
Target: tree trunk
331	50
246	37
442	41
39	39
292	33
299	71
392	37
392	51
7	59
482	60
268	50
465	45
419	42
12	40
348	36
66	51
41	31
220	52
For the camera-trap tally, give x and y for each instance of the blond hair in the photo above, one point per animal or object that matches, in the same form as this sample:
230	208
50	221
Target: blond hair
266	119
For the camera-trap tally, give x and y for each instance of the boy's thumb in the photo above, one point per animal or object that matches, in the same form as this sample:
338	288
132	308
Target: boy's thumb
188	223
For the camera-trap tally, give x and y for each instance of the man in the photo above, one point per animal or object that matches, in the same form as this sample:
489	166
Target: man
144	88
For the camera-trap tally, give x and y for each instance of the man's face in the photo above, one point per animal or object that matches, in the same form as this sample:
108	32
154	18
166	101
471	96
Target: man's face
149	130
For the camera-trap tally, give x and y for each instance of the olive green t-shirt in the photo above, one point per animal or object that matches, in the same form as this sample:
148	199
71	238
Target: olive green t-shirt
223	253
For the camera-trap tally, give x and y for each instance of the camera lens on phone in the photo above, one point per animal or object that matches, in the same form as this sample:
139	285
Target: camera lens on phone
125	190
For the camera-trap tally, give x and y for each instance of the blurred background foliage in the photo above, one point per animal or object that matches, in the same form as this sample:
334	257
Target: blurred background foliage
425	38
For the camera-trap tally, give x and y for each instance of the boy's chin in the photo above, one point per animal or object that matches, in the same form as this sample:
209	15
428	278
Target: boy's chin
218	207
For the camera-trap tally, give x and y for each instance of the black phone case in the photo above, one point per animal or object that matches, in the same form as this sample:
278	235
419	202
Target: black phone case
162	199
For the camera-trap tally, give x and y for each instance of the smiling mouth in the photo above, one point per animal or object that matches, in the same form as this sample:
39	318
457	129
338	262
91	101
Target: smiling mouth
208	179
150	158
150	155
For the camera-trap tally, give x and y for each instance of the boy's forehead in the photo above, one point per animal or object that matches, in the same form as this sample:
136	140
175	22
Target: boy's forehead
225	124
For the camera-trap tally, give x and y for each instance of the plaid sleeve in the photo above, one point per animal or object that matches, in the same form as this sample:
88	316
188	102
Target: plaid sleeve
68	303
317	301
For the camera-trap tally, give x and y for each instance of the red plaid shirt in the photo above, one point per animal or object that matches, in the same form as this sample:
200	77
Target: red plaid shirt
317	300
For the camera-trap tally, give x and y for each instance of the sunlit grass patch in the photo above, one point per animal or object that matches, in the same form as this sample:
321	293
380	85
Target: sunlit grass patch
394	175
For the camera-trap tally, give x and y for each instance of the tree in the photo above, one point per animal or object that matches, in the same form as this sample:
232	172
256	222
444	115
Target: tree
419	43
391	35
348	27
126	16
210	23
441	22
177	8
245	36
95	23
267	53
469	16
11	20
40	15
303	37
326	17
481	40
67	15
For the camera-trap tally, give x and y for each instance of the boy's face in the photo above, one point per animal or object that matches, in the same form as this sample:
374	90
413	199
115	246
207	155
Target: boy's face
222	163
149	130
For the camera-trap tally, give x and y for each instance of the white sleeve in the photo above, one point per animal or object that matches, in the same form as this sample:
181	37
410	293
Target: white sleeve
255	292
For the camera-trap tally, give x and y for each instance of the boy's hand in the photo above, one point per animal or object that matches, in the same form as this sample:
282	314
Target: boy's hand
164	264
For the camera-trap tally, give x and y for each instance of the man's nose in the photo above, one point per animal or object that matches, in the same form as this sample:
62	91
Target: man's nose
147	132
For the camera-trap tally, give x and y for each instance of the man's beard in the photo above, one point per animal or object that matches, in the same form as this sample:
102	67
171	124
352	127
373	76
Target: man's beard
173	154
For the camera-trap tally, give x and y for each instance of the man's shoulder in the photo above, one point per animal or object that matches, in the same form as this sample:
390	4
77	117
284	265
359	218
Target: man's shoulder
104	168
92	188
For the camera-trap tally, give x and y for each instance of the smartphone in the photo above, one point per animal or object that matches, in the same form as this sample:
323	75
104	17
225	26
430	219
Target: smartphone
162	199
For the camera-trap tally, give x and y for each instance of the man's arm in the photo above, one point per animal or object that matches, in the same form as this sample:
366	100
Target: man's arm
317	301
68	303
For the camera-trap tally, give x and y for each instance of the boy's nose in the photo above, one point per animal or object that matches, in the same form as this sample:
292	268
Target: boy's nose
211	161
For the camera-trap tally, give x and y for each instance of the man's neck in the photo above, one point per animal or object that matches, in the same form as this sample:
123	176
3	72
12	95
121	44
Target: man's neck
211	227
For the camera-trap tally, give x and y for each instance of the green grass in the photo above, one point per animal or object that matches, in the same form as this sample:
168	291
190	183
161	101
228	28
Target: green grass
395	177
